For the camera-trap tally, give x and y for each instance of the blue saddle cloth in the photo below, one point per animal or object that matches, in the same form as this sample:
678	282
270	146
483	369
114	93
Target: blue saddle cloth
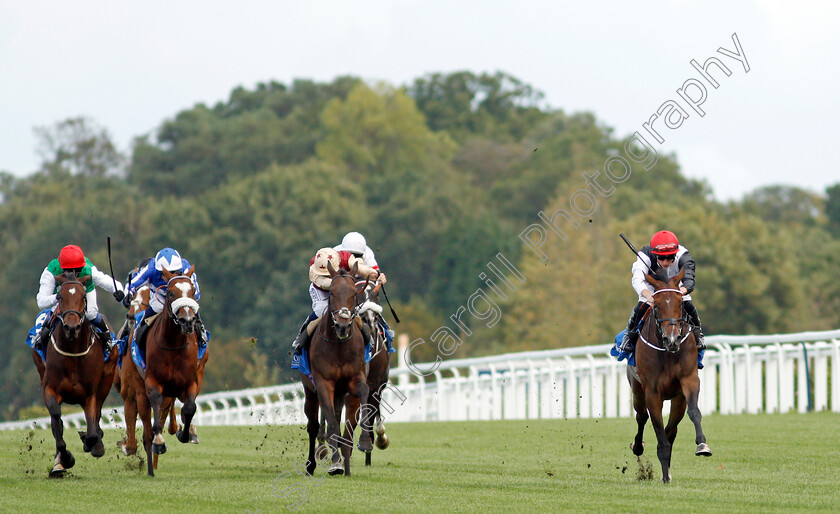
631	357
43	317
138	355
301	362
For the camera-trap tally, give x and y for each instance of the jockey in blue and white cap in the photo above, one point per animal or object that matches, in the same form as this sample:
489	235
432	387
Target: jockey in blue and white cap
151	274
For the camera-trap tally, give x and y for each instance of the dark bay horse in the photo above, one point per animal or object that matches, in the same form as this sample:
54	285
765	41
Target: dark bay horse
666	369
379	365
337	364
172	366
369	310
75	371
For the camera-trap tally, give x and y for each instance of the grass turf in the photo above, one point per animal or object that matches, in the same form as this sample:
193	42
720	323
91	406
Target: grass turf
762	462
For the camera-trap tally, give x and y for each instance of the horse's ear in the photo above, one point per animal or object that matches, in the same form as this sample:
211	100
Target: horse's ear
676	279
84	280
355	268
658	284
330	268
190	271
166	274
60	279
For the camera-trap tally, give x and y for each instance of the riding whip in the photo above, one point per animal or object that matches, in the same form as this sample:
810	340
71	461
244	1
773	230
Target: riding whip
633	249
389	303
110	264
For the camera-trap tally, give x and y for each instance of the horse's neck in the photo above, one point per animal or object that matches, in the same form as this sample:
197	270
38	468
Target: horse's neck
168	331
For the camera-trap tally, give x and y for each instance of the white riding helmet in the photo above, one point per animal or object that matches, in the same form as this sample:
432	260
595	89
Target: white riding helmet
169	260
354	243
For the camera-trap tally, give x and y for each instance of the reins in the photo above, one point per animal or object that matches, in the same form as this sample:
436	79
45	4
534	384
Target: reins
82	319
671	321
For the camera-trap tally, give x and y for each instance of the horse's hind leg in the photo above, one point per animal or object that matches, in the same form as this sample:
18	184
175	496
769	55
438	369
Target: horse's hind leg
64	460
326	393
322	434
130	445
144	409
153	392
351	415
638	445
677	414
691	389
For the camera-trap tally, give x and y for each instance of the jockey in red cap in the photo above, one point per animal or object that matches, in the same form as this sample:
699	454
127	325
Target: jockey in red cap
664	256
71	258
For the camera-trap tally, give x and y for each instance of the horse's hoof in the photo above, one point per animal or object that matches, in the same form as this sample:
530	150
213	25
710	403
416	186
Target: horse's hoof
382	442
70	462
193	439
58	471
158	449
182	436
703	450
336	469
365	445
632	447
98	449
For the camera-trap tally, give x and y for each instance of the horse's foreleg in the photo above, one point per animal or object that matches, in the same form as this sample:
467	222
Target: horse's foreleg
93	438
691	389
350	421
310	408
187	413
677	414
64	460
638	445
663	447
326	394
155	394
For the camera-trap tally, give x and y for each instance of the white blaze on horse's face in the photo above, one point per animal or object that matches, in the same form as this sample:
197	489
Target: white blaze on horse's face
72	291
185	301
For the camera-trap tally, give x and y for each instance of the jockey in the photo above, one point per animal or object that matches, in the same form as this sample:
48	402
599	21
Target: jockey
319	289
151	275
355	243
71	258
664	256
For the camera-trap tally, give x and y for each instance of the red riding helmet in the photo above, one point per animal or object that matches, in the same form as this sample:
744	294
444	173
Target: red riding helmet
664	242
71	257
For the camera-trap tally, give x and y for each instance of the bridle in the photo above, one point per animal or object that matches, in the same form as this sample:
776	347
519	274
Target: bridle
174	306
82	319
681	323
343	313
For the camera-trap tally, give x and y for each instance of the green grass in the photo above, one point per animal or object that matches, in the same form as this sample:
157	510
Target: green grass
760	463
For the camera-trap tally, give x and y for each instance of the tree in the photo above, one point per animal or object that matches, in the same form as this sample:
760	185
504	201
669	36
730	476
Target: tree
77	146
832	209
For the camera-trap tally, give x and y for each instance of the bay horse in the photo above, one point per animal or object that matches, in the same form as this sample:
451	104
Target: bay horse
337	364
75	371
666	369
172	365
369	312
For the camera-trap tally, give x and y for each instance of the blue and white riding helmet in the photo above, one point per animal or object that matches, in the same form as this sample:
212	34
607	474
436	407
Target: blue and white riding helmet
169	260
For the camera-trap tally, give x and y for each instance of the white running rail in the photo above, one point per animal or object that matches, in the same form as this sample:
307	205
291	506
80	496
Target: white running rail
743	374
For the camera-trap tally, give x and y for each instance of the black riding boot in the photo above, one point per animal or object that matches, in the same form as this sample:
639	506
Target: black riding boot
302	337
202	334
102	326
44	335
632	333
691	310
140	334
367	334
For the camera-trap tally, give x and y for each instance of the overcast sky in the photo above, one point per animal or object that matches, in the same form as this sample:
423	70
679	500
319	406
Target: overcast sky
131	65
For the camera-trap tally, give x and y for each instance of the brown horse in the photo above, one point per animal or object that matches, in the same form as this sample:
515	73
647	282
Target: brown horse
131	385
172	365
336	356
75	371
378	369
666	369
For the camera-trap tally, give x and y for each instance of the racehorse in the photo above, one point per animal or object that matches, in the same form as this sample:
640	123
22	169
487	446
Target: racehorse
172	365
131	386
666	369
369	311
75	371
336	357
